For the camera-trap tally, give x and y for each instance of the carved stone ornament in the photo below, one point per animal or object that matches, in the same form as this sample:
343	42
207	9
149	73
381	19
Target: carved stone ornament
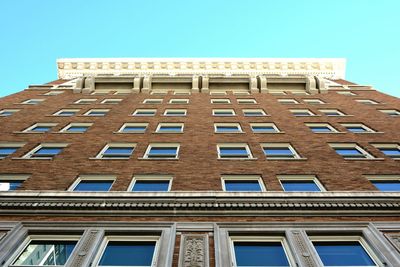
394	238
194	251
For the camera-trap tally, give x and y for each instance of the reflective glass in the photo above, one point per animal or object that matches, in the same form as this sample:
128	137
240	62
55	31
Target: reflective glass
77	129
228	129
349	152
263	129
170	129
41	129
244	185
128	253
301	186
151	185
320	129
10	185
162	152
260	254
134	129
278	152
47	151
387	186
118	152
356	129
5	151
391	152
94	185
233	152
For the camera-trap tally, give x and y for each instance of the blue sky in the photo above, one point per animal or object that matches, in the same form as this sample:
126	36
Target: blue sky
35	33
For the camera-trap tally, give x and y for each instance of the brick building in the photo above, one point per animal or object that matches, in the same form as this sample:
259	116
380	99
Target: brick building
200	162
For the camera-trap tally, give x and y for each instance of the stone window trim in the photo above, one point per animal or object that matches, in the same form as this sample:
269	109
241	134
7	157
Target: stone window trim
266	124
218	93
231	111
304	177
240	177
91	177
308	113
243	145
246	101
337	111
85	101
323	124
179	101
231	124
39	124
44	145
368	101
288	101
151	145
348	93
382	177
177	124
296	155
59	113
53	93
17	145
390	112
3	112
220	101
181	93
77	124
153	101
240	93
150	177
182	111
14	177
367	155
100	155
135	113
33	101
380	146
362	125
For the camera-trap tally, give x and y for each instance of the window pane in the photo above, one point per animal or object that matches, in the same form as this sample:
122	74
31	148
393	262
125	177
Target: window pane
48	151
77	129
67	113
387	185
320	129
263	129
41	129
46	253
97	113
170	129
151	185
348	152
356	129
278	151
124	253
118	151
134	129
10	185
234	185
253	113
305	186
163	151
345	253
5	151
260	254
391	152
93	185
227	129
233	151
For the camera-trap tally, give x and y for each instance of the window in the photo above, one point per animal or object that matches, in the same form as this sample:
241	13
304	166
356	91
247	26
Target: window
227	128
300	93
264	127
144	112
253	112
33	101
386	183
97	112
7	112
278	93
182	93
288	101
234	151
217	93
162	151
321	128
76	128
246	101
345	93
350	151
54	93
260	251
40	128
111	101
390	150
179	101
152	101
148	183
11	182
66	112
128	251
357	128
391	112
332	112
279	151
45	151
237	183
169	128
117	151
85	101
7	149
240	93
175	112
367	101
133	128
302	112
314	101
46	251
223	112
220	101
92	183
300	183
343	251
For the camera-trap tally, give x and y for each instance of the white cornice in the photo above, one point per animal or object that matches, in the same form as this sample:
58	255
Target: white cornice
69	68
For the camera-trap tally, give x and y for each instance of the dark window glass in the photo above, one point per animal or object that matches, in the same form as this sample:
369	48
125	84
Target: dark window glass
303	186
170	129
145	113
253	113
41	129
67	113
93	185
151	185
47	152
115	152
5	151
387	186
128	253
244	185
332	113
260	129
163	152
349	152
260	254
302	114
6	113
320	129
283	152
97	113
77	129
134	129
233	152
356	129
344	253
10	185
223	113
391	152
175	113
228	129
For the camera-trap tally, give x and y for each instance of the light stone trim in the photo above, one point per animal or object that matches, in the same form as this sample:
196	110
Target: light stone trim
194	251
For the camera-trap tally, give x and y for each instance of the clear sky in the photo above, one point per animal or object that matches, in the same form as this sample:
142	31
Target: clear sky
34	33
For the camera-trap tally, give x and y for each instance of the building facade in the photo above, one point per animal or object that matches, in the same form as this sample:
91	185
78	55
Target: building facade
197	163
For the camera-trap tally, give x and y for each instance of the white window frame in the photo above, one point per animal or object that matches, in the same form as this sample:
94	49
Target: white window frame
39	124
158	93
296	155
239	177
263	113
175	115
135	113
8	110
310	113
387	145
351	145
153	101
240	93
246	146
288	101
92	177
366	128
179	101
58	113
301	178
223	110
85	101
339	113
390	112
367	101
50	93
150	146
300	93
246	101
111	101
182	93
150	177
314	101
96	110
83	124
228	124
182	125
27	102
220	101
43	145
13	177
104	149
322	124
127	124
273	125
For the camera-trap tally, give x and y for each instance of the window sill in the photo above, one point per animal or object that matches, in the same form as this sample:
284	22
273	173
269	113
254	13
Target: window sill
229	159
110	158
32	158
95	116
129	132
158	158
286	159
19	132
67	116
365	159
282	132
68	133
230	132
368	133
329	132
340	116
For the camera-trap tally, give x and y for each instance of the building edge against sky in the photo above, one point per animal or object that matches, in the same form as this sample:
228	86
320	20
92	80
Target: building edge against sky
200	162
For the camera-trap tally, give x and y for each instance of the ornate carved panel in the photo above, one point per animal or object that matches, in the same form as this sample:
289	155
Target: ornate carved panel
394	238
194	251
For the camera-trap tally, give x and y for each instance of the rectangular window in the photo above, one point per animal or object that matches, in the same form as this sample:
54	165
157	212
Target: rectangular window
345	93
97	112
220	101
264	127
332	112
253	112
7	112
46	251
117	151
357	128
238	183
11	182
321	128
111	101
367	101
182	93
144	112
169	128
162	151
85	101
246	101
133	128
386	183
46	151
223	112
92	183
179	101
152	101
288	101
148	183
66	112
279	151
300	183
240	93
389	150
234	151
227	128
302	112
54	93
217	93
391	112
350	151
33	101
40	128
76	128
314	101
7	149
175	112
